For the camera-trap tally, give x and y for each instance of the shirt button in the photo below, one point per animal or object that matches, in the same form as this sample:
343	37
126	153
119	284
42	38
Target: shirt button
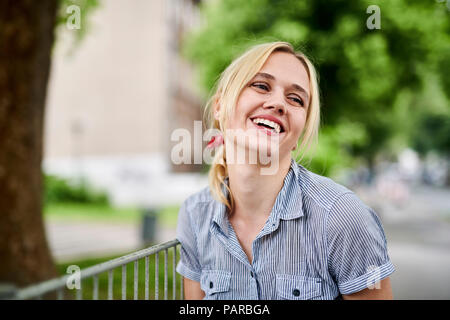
211	284
251	273
296	292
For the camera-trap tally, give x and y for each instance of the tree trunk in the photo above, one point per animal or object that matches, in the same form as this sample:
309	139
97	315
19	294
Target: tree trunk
26	38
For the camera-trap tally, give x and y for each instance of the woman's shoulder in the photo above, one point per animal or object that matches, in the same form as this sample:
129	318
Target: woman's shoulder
322	190
344	207
200	197
199	207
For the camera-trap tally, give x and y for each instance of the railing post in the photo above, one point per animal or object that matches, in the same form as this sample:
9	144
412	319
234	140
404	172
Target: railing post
174	273
95	288
124	282
146	278
79	292
156	275
136	276
166	252
110	284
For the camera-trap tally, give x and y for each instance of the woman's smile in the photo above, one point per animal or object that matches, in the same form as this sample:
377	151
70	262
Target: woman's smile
267	127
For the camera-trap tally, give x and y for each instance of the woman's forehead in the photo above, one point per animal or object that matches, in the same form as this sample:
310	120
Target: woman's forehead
285	68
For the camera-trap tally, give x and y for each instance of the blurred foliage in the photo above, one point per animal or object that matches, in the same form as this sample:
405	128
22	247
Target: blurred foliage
334	148
378	86
59	190
433	132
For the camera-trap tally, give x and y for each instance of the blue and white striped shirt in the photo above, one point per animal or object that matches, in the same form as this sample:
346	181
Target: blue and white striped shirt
320	241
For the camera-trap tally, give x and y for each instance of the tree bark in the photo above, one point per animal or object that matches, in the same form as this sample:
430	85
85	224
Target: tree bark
26	38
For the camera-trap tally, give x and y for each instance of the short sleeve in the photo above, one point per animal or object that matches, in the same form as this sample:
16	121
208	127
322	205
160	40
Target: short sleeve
188	265
357	247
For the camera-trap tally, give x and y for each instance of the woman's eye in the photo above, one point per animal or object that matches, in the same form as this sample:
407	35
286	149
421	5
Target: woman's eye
297	100
265	87
261	86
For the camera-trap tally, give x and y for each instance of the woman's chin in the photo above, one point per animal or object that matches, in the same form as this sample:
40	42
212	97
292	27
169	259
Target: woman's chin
254	147
262	153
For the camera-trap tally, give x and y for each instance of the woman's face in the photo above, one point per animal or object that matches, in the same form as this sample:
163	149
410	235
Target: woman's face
273	105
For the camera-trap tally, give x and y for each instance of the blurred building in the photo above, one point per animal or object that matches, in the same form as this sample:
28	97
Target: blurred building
114	99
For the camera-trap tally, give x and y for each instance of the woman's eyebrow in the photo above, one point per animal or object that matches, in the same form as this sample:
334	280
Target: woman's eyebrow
271	77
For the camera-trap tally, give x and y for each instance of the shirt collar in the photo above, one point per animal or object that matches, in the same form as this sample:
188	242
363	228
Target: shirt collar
220	212
288	204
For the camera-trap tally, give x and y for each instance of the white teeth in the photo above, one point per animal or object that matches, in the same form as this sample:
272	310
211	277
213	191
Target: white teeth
272	124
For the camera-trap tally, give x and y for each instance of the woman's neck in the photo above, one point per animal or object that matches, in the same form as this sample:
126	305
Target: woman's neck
254	194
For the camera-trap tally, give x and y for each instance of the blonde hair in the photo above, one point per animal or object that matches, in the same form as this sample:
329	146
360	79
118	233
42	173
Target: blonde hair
227	91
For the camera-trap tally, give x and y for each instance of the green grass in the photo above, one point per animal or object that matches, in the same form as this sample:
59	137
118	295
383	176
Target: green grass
168	216
87	284
82	212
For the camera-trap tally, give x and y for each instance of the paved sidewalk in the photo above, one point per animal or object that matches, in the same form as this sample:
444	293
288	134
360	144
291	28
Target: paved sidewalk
418	234
422	271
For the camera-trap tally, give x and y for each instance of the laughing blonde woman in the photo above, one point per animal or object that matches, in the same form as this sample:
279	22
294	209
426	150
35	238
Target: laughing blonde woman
290	234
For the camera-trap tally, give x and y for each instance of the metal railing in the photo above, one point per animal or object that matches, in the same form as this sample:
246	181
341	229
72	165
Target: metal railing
59	285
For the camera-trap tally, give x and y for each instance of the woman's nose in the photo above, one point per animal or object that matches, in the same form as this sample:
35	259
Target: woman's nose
277	103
